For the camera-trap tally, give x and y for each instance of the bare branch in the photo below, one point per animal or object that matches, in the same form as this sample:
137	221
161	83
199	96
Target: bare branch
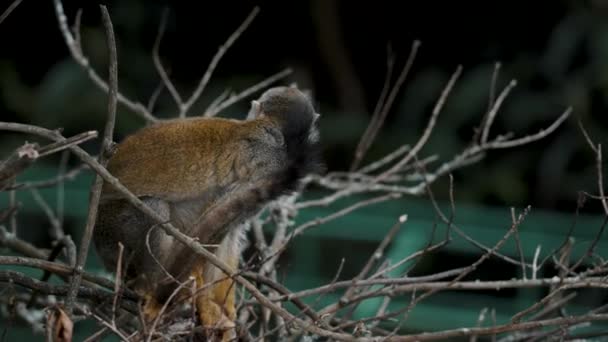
159	65
429	128
385	160
62	145
58	290
463	332
533	137
60	179
56	230
11	241
76	52
380	112
183	110
494	110
598	160
234	98
9	9
106	146
303	227
520	251
16	163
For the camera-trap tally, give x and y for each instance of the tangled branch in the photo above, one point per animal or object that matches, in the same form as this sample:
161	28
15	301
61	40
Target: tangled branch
263	309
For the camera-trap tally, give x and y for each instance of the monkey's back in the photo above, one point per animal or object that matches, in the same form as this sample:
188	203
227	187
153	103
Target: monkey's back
174	160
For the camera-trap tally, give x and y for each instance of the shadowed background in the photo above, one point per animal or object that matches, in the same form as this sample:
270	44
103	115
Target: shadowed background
555	49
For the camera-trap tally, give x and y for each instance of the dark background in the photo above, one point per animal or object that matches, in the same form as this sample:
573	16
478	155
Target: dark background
557	50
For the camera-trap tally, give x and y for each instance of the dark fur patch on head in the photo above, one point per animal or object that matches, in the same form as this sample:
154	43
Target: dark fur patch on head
295	114
290	107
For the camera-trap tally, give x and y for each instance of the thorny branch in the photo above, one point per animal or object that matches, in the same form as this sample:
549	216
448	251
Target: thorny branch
263	295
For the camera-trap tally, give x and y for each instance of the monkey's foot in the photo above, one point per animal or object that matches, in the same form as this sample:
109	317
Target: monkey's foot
217	325
151	308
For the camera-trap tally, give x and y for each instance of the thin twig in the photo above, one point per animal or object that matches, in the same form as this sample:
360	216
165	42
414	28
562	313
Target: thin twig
10	9
234	98
76	52
375	257
154	97
305	226
60	146
117	281
164	307
103	158
13	208
11	241
532	137
508	327
489	120
60	197
520	250
373	166
491	99
361	148
159	65
60	269
214	62
379	117
16	163
62	178
553	306
56	232
600	176
58	290
480	319
429	128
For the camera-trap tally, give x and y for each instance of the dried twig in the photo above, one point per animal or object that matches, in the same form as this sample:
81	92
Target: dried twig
106	146
185	107
74	46
9	9
18	161
60	179
598	160
382	108
489	120
427	131
159	65
234	98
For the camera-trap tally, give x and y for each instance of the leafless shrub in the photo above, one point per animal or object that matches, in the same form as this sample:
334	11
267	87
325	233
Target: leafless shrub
262	311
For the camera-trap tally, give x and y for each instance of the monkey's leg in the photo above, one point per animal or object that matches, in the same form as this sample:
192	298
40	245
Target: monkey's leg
224	296
210	312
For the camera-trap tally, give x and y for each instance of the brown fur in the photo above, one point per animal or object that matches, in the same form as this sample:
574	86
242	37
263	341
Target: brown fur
199	152
206	176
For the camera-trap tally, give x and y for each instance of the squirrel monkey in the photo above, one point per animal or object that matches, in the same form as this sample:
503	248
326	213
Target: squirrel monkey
206	176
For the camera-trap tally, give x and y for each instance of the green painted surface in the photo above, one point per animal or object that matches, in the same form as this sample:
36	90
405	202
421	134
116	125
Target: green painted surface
313	258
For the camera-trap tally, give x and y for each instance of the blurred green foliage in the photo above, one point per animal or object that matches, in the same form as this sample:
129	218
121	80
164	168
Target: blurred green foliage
557	53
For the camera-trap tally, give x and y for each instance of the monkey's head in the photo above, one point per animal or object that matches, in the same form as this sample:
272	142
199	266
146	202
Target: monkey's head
293	112
291	108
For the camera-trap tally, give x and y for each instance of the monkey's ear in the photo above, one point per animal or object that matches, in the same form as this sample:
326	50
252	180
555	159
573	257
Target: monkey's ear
293	85
255	110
